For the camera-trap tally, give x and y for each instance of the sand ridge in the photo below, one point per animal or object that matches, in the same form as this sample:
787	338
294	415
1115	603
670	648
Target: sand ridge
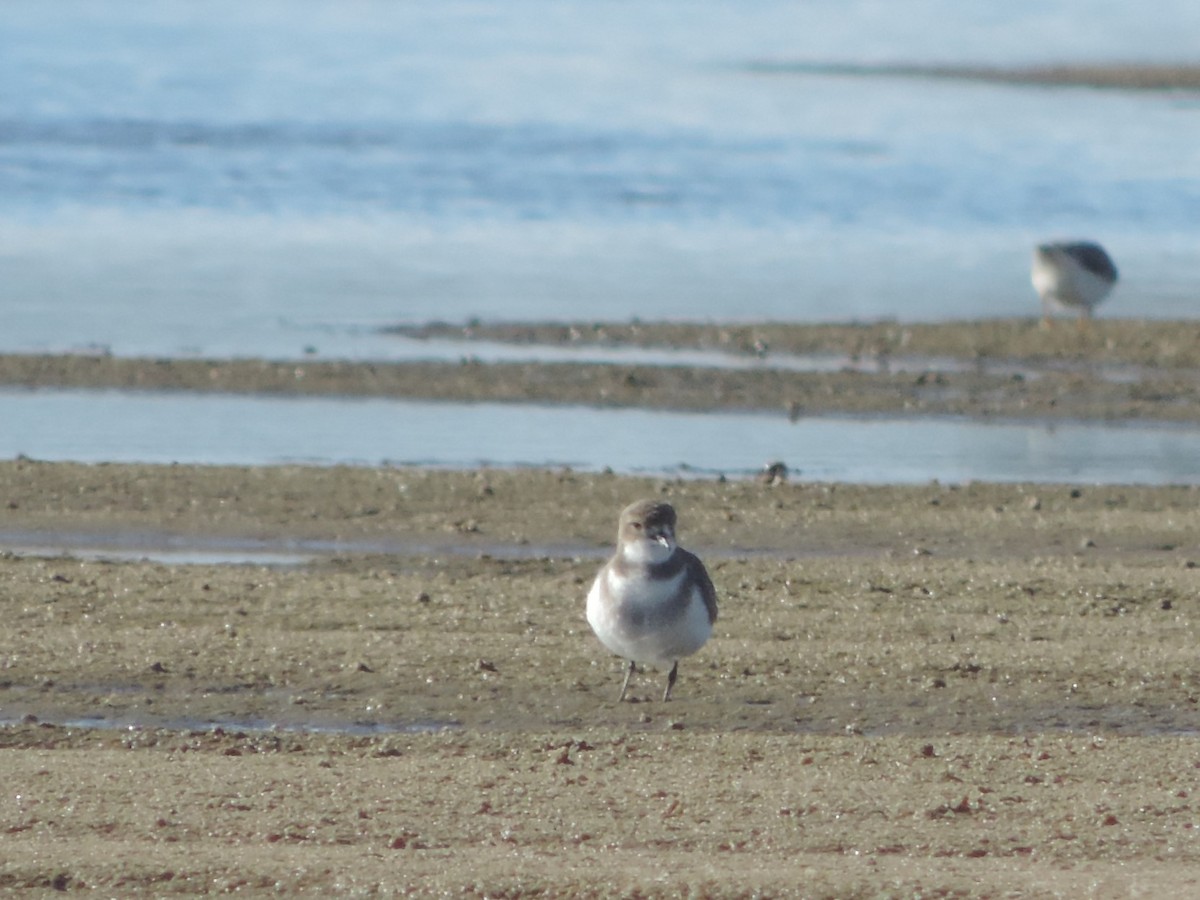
1117	369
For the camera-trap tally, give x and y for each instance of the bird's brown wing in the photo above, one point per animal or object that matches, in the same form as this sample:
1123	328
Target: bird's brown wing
699	574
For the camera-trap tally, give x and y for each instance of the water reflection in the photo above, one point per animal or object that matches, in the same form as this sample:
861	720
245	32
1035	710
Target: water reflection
114	426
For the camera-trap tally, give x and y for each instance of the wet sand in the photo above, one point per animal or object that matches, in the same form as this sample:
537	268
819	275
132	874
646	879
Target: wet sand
1104	341
983	690
978	690
1111	76
1003	368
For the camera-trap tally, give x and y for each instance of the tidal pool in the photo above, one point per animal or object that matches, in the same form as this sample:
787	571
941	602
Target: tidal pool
114	426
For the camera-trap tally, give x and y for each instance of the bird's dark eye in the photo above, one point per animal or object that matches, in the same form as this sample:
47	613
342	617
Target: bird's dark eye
637	525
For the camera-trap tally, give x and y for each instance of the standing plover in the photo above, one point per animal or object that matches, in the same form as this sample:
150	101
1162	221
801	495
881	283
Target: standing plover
653	602
1074	275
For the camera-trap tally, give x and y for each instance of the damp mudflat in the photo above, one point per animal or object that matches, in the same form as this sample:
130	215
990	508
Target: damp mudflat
964	690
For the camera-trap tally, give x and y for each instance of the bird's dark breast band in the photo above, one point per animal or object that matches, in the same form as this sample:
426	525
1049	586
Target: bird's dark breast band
663	571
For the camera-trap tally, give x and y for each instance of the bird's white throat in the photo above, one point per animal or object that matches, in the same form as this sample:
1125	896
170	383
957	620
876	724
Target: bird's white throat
647	551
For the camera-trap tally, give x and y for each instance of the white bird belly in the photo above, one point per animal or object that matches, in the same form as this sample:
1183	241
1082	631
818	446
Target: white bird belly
643	620
1067	285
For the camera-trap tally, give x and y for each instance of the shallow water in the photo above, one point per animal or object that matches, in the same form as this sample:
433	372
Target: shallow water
53	545
233	180
255	724
192	549
1013	718
111	426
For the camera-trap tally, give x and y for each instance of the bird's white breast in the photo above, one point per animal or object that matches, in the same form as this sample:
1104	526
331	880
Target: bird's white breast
627	613
1063	281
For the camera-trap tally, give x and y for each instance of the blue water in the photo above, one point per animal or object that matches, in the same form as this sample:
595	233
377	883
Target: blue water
277	178
113	426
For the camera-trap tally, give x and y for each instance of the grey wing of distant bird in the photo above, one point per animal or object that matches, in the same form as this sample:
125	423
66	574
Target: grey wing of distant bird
1093	258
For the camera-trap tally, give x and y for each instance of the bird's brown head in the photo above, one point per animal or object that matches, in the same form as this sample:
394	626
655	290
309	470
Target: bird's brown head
648	522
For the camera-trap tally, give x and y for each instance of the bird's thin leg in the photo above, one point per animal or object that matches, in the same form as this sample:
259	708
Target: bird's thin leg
628	674
671	681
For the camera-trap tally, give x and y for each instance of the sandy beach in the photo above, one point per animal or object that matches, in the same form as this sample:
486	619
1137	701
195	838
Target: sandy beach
941	690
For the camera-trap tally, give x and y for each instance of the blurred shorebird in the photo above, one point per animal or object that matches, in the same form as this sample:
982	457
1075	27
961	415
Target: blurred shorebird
1072	276
653	602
